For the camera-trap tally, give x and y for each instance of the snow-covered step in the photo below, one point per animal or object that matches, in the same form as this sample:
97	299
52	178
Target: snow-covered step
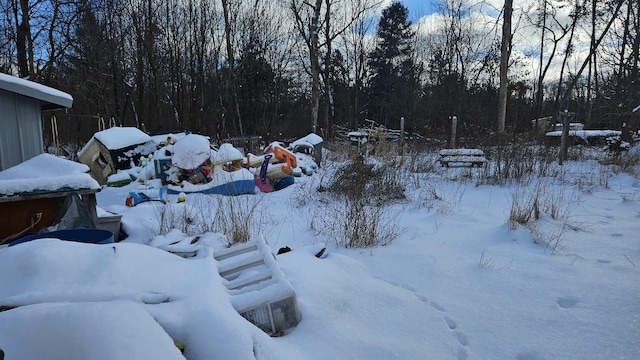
222	254
241	283
259	290
229	268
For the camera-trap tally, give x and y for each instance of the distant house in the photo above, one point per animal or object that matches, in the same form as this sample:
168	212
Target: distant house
21	105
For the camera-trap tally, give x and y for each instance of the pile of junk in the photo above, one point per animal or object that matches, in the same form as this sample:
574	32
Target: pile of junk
190	163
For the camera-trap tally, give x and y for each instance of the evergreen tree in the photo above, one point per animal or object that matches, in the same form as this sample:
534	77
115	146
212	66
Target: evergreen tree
265	98
256	85
343	110
394	83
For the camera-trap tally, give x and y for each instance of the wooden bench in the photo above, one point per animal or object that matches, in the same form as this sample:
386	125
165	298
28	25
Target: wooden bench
468	157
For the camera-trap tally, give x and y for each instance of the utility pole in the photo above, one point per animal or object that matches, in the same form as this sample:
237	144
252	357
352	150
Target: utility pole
402	136
566	117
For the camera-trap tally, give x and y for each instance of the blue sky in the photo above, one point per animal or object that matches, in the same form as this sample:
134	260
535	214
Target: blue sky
418	8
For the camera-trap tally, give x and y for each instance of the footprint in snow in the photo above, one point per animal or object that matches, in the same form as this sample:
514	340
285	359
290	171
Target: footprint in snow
462	338
450	323
462	354
437	306
567	302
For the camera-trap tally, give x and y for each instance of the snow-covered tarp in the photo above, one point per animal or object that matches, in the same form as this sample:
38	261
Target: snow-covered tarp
45	173
226	153
85	330
312	139
191	151
105	300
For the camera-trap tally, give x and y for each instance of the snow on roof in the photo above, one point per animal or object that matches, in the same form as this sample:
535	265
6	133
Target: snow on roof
121	137
50	97
45	172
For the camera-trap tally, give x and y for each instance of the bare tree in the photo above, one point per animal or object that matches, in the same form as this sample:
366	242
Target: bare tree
593	48
307	18
310	24
551	27
233	92
505	51
42	32
355	48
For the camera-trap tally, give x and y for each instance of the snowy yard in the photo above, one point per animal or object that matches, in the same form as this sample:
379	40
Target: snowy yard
460	282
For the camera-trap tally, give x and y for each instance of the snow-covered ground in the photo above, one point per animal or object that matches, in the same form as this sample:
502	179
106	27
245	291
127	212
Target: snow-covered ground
458	283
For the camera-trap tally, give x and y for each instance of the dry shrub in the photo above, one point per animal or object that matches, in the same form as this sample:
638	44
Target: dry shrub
525	206
182	216
236	217
517	162
353	223
357	203
530	202
233	216
373	183
442	200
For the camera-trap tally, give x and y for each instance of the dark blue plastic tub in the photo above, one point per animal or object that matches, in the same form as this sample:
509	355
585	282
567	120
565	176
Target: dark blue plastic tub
90	236
283	183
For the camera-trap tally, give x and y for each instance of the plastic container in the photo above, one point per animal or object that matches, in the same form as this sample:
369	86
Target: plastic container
110	221
90	236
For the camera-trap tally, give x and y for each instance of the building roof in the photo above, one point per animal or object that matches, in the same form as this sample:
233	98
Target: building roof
50	98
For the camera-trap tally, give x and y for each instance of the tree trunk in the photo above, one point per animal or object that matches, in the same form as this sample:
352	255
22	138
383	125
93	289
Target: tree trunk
315	65
23	41
328	106
505	51
539	92
230	59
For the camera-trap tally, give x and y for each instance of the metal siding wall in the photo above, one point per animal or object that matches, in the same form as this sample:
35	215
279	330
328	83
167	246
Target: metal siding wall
9	155
21	134
30	127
